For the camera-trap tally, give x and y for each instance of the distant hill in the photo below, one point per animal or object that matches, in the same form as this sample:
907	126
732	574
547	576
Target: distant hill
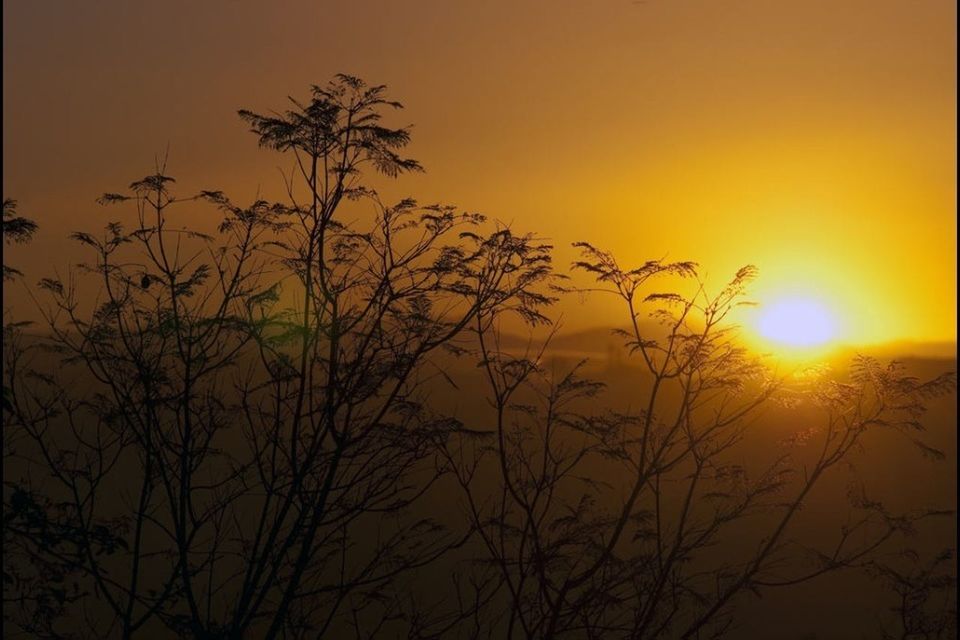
903	349
601	342
593	340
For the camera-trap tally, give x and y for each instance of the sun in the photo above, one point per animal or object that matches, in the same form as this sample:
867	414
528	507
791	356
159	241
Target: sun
796	323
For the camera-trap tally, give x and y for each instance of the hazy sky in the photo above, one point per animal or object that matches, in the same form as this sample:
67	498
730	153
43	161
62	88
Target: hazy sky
815	139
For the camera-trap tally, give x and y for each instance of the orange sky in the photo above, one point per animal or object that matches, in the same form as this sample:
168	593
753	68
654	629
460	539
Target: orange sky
815	139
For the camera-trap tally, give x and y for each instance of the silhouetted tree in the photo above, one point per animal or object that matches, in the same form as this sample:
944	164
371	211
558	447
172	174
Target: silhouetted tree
229	433
253	464
634	524
37	586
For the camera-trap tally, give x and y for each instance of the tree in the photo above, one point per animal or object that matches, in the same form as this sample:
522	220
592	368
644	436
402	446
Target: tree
36	587
643	523
235	432
257	440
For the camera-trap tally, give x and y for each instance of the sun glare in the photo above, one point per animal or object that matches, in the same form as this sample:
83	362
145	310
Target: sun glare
797	322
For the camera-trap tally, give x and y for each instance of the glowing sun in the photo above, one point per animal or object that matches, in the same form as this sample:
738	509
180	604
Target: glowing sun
796	322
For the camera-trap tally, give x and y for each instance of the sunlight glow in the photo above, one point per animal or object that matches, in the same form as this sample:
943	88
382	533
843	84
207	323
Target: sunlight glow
797	322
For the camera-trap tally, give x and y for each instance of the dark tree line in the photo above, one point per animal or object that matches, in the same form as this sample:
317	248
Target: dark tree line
235	434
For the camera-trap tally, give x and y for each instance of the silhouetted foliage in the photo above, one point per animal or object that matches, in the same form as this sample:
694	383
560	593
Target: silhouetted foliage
632	524
15	229
926	594
237	433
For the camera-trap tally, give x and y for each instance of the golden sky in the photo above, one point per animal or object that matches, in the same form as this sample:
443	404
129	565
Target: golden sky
815	139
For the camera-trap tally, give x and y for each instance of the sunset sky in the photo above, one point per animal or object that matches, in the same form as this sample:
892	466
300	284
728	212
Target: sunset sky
814	139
